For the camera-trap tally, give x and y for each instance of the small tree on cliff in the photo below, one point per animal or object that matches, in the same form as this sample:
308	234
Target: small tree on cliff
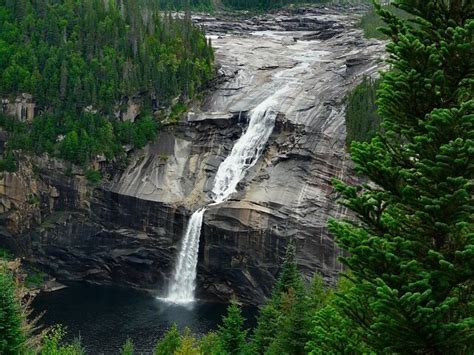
411	252
289	276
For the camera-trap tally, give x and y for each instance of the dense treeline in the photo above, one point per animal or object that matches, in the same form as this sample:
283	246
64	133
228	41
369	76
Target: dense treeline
266	4
72	55
77	138
233	4
362	119
205	5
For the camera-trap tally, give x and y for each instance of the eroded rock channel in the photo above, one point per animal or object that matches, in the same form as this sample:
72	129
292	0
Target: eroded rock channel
128	231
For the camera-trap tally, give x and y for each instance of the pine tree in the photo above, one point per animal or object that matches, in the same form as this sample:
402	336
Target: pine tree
210	344
169	343
232	333
128	348
318	295
12	337
268	326
283	322
331	331
293	333
289	276
188	345
411	251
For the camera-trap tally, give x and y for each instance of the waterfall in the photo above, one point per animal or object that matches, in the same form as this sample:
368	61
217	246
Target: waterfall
184	277
245	153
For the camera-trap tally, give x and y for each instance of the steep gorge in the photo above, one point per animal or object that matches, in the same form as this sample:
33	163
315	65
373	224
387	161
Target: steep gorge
128	231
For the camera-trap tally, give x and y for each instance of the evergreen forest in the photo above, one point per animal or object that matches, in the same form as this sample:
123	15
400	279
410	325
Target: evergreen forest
83	60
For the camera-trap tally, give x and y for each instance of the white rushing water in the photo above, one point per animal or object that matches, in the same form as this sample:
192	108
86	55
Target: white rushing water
184	278
245	153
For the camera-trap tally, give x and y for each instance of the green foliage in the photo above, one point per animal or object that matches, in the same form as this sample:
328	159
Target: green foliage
5	255
12	337
169	343
207	5
371	22
128	348
268	326
318	294
53	344
77	138
331	331
188	346
176	112
362	120
72	56
231	333
411	252
77	348
34	278
202	5
93	176
293	333
210	344
283	322
173	343
289	276
9	163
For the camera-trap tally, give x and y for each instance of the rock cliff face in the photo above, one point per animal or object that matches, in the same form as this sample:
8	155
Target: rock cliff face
128	231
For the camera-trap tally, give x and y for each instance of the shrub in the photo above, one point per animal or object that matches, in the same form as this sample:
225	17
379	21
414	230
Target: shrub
93	176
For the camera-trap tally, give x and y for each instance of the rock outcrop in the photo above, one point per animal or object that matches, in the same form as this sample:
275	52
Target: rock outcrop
128	231
23	108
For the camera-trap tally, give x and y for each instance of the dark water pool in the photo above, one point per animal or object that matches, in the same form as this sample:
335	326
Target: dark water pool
105	316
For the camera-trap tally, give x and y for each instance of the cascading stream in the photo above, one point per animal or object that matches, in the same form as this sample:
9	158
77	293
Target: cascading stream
245	153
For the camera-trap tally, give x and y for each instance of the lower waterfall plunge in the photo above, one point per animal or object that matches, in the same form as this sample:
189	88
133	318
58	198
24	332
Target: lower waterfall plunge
245	153
184	278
